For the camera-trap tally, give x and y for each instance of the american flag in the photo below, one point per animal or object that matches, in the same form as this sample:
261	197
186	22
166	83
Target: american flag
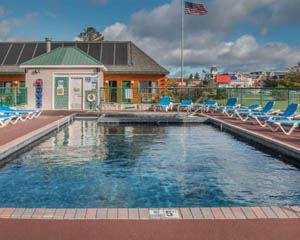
195	8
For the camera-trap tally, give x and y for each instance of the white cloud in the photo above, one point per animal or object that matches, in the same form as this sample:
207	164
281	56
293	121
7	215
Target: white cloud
158	32
8	25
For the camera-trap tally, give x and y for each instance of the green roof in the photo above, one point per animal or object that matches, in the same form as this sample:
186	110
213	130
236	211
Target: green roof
63	56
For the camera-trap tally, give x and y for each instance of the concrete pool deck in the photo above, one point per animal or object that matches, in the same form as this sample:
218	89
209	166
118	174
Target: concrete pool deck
193	223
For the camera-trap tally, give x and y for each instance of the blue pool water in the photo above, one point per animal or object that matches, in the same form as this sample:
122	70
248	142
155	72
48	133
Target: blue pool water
88	165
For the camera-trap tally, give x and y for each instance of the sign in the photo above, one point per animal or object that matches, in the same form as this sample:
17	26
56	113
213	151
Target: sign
171	214
60	83
156	213
60	91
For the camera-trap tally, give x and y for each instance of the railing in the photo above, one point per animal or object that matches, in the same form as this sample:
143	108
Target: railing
246	96
13	96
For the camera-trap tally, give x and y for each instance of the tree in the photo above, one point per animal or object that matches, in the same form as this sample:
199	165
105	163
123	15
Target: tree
292	79
91	34
197	76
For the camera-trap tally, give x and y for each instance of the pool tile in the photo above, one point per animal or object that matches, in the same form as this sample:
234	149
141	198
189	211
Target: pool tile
197	213
28	213
217	213
228	213
38	213
101	213
134	213
269	213
17	213
248	212
279	212
80	213
49	213
91	213
7	212
144	213
186	213
112	213
70	213
296	210
154	217
123	213
207	213
59	213
290	212
259	212
174	217
238	213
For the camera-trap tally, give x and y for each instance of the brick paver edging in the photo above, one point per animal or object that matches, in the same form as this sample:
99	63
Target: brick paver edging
144	213
22	142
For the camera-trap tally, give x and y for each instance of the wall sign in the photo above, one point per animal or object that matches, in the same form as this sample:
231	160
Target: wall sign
60	91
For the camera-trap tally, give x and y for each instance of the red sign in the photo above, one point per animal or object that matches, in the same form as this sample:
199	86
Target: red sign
223	79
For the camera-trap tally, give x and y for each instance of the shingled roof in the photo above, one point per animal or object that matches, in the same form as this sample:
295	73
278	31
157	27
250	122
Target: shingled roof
117	56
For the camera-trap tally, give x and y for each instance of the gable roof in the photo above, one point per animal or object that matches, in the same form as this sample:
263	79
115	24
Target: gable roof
63	56
117	56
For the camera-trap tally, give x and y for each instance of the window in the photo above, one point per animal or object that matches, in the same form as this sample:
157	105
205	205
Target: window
148	86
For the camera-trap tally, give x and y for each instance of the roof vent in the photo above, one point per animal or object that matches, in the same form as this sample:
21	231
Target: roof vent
48	42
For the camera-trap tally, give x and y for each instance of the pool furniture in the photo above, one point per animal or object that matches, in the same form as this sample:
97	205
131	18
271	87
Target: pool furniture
5	120
245	115
231	104
28	114
205	107
288	114
275	125
165	103
188	104
232	111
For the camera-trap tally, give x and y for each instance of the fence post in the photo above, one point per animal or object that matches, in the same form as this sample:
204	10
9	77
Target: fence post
261	96
15	96
242	96
289	101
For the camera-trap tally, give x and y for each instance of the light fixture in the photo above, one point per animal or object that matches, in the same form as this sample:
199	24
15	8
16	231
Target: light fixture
132	82
37	70
106	81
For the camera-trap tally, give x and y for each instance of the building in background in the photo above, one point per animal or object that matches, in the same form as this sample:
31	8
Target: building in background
127	68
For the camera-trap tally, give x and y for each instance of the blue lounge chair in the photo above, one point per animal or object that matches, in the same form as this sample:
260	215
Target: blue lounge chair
5	120
188	104
232	111
245	115
283	124
288	114
205	107
231	104
29	114
165	103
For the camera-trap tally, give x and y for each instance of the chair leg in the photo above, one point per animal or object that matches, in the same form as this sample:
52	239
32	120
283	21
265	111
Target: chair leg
289	132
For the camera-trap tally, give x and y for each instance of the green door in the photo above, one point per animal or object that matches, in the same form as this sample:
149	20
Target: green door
90	86
126	92
61	93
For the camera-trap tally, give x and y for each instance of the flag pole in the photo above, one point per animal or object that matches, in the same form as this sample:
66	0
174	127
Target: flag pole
182	42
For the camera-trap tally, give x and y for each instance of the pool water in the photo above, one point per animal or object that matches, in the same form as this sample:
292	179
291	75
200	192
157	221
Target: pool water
92	166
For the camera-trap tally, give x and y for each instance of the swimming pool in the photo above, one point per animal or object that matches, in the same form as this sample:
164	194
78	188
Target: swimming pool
87	165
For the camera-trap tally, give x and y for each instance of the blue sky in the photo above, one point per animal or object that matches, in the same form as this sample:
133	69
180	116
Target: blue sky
236	35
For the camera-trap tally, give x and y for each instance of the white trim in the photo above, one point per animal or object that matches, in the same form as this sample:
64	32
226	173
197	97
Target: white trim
64	66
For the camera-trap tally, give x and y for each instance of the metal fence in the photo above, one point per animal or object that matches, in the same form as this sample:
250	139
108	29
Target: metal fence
13	96
246	96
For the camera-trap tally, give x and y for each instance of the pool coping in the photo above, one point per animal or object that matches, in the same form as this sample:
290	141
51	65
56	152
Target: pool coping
216	213
268	142
9	149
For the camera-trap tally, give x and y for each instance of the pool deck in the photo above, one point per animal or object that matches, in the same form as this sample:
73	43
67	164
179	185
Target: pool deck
276	141
192	223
